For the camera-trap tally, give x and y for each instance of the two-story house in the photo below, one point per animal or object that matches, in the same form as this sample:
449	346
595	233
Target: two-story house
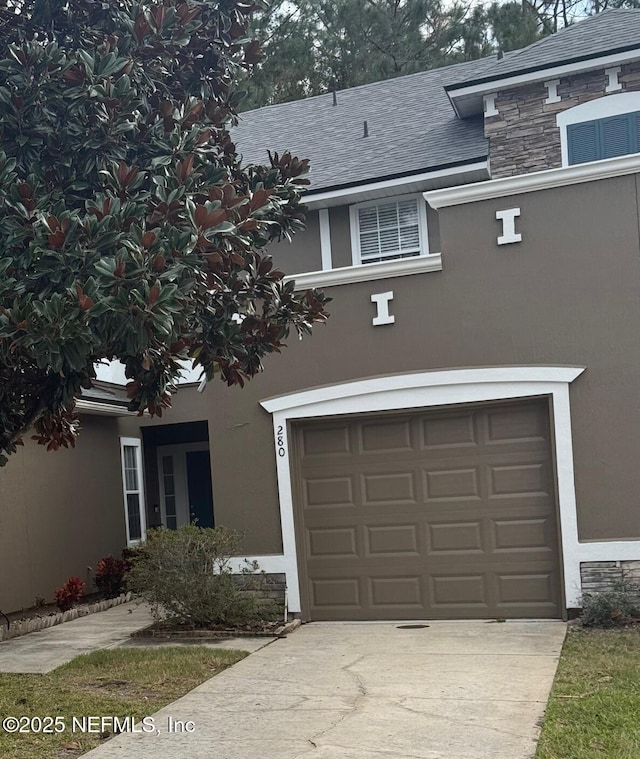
461	439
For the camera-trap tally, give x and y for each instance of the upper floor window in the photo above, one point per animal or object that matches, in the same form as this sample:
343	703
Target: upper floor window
385	230
602	128
604	138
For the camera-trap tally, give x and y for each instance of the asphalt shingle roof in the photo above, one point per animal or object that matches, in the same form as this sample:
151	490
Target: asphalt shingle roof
612	31
411	123
412	128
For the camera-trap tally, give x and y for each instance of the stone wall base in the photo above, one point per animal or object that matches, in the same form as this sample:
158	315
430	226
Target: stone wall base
602	576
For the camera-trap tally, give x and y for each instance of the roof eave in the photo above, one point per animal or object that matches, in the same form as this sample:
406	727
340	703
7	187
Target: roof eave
472	169
467	97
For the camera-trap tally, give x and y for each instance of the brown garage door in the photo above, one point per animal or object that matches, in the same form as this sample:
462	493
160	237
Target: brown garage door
445	514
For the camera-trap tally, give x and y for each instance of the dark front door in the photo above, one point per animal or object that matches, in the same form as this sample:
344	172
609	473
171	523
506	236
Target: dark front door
199	488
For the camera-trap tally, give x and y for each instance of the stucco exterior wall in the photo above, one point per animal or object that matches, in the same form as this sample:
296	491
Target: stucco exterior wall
568	294
60	513
303	252
523	137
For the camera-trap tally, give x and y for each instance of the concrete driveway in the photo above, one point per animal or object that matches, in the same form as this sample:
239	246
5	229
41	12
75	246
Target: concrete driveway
454	690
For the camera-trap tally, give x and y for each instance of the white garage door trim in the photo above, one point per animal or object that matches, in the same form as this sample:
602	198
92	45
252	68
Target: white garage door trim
438	388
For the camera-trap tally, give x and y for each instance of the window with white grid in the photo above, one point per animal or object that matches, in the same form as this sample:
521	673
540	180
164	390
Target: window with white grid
389	229
133	492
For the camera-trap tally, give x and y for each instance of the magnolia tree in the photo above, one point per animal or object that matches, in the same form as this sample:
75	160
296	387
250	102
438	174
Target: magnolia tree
129	227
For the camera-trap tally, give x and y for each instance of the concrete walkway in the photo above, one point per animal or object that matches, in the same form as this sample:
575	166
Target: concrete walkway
40	652
455	690
44	651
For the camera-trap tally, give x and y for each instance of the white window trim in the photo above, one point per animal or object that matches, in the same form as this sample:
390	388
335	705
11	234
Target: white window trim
136	443
345	275
355	226
325	239
599	108
430	389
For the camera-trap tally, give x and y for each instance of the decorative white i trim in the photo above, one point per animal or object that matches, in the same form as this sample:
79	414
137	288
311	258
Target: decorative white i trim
508	219
490	105
552	90
382	301
613	85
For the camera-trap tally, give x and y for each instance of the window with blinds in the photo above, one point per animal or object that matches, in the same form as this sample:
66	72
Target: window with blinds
603	138
389	230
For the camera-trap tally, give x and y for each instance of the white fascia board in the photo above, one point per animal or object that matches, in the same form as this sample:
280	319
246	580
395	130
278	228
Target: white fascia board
351	194
113	372
345	275
552	72
104	409
436	378
538	180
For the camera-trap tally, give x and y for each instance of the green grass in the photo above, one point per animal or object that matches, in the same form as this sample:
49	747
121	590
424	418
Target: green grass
117	682
594	710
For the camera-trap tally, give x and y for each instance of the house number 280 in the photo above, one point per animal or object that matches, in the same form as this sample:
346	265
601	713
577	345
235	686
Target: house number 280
280	444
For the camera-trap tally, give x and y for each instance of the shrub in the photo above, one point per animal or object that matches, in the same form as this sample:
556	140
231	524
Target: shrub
186	574
69	594
130	556
110	576
609	608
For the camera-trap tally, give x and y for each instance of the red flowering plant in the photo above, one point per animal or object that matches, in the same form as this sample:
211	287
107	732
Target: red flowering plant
110	574
70	593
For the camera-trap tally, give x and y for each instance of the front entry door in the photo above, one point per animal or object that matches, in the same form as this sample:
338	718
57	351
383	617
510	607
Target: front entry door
186	492
199	488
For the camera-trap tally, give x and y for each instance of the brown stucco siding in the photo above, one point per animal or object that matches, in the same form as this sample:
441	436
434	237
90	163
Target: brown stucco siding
240	501
340	226
303	252
568	294
524	136
60	512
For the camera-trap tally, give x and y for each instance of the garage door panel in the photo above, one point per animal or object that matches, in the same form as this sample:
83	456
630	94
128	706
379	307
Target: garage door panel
516	425
391	540
333	440
525	588
449	431
332	542
452	484
336	592
396	591
519	480
328	491
459	591
523	534
389	436
455	537
437	514
389	487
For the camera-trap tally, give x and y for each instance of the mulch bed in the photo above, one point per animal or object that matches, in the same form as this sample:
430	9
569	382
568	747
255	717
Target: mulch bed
167	631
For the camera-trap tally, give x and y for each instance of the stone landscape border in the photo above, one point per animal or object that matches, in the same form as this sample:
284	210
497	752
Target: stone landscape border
151	631
35	624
